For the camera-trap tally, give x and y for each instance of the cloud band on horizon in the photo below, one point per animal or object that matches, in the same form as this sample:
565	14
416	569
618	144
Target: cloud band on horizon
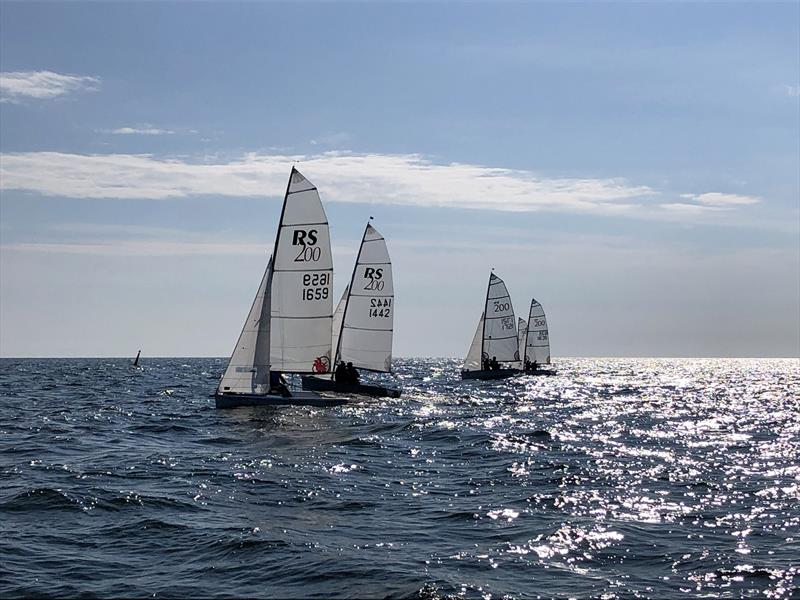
397	179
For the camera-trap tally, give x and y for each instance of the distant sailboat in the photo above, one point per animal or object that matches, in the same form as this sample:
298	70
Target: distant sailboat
363	323
522	333
536	348
495	342
288	327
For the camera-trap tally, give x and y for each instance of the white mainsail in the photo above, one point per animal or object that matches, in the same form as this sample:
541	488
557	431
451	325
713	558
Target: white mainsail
500	327
368	320
473	361
302	280
537	346
248	368
522	336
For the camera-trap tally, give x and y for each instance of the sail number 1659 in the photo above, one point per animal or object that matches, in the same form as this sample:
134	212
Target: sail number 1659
315	286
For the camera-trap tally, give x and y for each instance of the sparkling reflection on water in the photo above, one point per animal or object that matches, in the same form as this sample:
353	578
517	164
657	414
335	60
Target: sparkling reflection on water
616	478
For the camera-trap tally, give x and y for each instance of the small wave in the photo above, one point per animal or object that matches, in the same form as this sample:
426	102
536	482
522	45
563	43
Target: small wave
39	499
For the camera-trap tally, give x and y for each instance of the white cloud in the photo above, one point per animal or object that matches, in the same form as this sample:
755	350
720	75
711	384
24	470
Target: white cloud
141	131
18	86
792	90
689	209
722	200
406	179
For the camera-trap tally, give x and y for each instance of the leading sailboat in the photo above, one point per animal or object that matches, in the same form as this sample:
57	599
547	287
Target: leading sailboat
363	323
288	327
494	352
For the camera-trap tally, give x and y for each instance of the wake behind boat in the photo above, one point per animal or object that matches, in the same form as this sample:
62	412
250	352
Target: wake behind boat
362	327
288	327
494	352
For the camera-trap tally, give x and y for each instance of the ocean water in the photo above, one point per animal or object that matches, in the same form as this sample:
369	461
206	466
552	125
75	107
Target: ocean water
618	478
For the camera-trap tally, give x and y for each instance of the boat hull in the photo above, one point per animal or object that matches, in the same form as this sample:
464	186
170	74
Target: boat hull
318	384
296	399
493	374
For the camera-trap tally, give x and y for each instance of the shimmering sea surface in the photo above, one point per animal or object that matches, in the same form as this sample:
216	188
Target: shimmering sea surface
618	478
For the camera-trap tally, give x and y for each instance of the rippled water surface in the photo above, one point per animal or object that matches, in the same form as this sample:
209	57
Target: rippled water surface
616	478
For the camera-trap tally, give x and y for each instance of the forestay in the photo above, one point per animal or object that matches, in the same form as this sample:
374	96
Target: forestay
473	360
537	347
248	368
500	327
368	322
302	299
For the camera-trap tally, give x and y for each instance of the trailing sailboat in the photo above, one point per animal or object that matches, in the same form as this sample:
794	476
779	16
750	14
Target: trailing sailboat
494	352
288	327
363	323
536	349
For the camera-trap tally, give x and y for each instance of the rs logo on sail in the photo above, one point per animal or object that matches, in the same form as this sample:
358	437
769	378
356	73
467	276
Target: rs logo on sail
307	240
375	279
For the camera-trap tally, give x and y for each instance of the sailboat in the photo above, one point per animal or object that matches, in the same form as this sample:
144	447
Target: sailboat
363	322
495	341
135	364
536	348
288	327
522	332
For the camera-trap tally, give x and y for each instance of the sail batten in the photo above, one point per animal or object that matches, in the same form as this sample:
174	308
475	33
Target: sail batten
368	317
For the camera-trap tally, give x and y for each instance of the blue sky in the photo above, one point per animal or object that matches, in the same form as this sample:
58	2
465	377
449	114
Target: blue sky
633	166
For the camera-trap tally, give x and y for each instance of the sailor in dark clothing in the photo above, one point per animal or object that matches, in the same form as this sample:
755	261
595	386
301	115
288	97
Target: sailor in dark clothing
535	366
341	373
495	366
277	384
352	374
486	364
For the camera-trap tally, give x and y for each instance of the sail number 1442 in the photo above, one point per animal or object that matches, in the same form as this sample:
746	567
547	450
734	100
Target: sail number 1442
380	307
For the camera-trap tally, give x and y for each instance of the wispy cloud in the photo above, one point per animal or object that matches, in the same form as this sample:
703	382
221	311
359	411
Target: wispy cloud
398	179
18	86
722	200
339	139
792	90
407	179
684	208
145	130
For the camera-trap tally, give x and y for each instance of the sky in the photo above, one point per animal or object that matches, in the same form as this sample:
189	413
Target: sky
635	167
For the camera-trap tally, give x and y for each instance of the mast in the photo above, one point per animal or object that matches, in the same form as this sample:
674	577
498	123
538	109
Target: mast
485	312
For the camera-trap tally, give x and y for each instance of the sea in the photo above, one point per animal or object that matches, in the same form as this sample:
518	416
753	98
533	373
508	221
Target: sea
615	478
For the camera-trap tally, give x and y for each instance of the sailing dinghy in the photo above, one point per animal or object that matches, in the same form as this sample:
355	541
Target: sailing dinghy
495	342
288	327
362	327
536	350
